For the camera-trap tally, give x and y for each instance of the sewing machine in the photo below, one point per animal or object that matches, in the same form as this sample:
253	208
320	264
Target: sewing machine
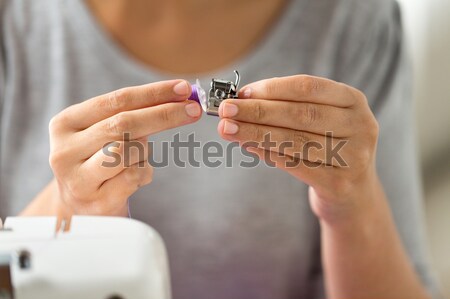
98	258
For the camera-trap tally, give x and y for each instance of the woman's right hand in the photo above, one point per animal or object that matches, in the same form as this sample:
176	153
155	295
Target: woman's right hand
78	135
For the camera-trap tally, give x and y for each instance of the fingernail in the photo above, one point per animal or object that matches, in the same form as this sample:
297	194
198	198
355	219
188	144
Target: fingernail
230	128
247	93
181	88
193	110
229	110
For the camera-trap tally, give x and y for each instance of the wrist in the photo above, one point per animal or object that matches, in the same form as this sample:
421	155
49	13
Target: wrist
357	206
367	223
65	207
57	205
48	203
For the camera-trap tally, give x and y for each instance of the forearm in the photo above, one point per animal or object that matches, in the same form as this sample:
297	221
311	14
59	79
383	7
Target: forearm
363	256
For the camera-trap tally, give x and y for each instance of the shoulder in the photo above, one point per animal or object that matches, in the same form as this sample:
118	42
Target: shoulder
339	28
357	33
361	19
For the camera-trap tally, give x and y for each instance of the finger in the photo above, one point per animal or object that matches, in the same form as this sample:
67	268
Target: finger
313	118
122	187
308	173
303	88
85	114
320	177
135	124
111	160
297	144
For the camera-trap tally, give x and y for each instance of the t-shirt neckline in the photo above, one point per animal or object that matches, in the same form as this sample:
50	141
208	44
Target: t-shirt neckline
112	51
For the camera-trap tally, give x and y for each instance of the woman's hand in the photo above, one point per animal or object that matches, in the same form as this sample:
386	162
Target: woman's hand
91	180
320	131
333	136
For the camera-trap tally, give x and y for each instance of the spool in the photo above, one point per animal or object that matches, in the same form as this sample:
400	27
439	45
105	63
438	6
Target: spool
199	95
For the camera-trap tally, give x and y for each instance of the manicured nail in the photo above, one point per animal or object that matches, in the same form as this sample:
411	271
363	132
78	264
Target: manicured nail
247	93
230	128
181	88
193	110
229	110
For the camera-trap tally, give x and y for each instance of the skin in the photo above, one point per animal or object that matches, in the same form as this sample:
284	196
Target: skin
361	250
79	133
187	32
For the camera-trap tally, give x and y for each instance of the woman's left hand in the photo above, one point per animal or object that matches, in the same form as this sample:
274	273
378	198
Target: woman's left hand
320	131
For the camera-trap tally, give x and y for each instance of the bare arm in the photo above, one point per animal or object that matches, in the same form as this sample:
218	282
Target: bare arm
362	254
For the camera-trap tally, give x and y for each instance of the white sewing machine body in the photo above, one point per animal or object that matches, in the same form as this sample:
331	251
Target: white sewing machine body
99	258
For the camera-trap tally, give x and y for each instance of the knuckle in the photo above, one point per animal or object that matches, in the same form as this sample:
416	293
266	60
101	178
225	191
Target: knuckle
370	128
311	114
358	158
120	124
57	122
308	114
357	96
260	113
54	124
374	129
307	84
135	153
299	139
165	115
117	100
57	160
258	133
132	175
113	155
365	158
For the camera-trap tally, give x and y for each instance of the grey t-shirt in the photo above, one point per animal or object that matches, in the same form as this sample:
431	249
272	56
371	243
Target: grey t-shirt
231	232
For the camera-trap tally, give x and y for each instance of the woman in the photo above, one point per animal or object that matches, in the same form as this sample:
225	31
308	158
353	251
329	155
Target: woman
231	232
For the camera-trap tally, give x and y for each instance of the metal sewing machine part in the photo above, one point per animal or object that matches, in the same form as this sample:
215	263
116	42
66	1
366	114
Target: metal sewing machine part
220	90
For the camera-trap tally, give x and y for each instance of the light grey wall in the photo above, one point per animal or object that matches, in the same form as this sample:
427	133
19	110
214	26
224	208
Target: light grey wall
427	25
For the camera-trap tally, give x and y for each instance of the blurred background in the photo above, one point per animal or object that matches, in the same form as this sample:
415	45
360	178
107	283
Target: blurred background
427	25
